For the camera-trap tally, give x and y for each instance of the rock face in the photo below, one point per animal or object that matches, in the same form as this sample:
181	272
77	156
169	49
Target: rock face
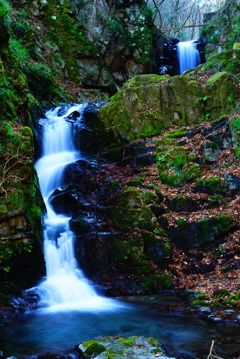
97	44
21	209
221	28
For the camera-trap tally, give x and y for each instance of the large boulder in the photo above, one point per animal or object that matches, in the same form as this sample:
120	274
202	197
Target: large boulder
147	104
187	235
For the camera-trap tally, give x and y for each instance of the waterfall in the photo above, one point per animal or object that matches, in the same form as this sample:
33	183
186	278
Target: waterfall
65	287
188	55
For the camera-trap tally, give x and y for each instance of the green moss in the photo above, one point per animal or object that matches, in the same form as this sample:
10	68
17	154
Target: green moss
10	253
174	168
237	153
220	293
92	347
26	131
204	227
156	282
162	143
129	342
149	197
143	270
175	134
228	60
132	218
237	296
225	222
130	198
181	222
136	182
153	342
181	201
148	79
198	302
164	281
213	185
193	172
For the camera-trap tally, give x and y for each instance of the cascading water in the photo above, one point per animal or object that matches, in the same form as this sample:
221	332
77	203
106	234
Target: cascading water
65	287
188	55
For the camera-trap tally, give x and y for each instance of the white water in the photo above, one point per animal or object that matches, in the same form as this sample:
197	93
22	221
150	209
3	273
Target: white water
65	287
188	55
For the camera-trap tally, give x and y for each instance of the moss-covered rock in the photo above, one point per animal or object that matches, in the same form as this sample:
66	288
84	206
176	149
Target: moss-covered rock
174	166
148	103
129	347
140	218
212	185
194	234
130	198
91	347
156	282
222	93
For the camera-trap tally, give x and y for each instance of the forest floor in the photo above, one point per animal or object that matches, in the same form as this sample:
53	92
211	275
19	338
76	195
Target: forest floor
212	269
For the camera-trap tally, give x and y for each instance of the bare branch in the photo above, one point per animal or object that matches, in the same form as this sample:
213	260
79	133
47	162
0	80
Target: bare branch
182	27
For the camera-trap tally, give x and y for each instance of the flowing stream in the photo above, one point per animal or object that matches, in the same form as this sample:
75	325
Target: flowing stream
65	287
188	55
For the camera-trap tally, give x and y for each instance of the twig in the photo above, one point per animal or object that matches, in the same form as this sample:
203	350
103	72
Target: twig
212	354
182	27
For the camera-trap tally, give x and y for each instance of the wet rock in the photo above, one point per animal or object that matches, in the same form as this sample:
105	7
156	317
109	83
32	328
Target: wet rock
80	225
65	200
73	116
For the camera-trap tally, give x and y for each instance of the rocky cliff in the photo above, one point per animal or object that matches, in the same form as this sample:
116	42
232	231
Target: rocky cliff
97	44
221	28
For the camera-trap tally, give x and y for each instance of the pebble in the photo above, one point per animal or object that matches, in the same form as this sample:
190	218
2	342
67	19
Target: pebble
205	309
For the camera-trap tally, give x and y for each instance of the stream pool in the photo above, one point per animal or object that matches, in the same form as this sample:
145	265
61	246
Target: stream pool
38	333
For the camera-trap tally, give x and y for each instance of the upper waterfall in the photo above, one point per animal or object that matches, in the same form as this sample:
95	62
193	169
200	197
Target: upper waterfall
65	287
188	55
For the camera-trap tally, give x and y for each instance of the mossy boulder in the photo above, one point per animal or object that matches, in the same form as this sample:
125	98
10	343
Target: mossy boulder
130	198
140	218
189	235
157	246
222	94
148	103
212	185
174	166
